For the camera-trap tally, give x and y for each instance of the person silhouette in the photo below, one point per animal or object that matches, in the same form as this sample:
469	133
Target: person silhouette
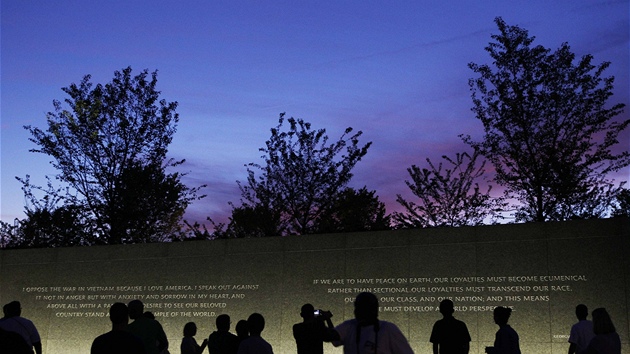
14	322
242	332
311	333
222	341
149	330
189	344
366	333
581	332
118	340
255	344
606	339
13	343
506	338
449	335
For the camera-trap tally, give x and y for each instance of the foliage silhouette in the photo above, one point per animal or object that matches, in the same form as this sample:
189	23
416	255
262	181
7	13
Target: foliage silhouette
47	224
448	196
549	131
301	179
109	143
622	207
354	210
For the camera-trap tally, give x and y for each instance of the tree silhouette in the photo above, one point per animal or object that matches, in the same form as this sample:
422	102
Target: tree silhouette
548	128
109	144
448	196
48	222
301	178
354	210
622	207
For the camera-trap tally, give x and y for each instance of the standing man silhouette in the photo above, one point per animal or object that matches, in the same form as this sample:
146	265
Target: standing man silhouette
506	339
449	335
14	322
366	334
222	341
311	333
581	332
118	340
148	330
255	344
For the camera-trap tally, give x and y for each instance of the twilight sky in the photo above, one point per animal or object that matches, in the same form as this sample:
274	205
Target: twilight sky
396	70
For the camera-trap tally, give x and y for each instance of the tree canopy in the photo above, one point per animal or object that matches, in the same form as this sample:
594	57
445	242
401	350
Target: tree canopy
109	143
354	210
302	178
549	130
448	196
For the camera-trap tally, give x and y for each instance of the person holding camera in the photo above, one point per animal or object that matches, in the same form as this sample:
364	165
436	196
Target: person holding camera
311	333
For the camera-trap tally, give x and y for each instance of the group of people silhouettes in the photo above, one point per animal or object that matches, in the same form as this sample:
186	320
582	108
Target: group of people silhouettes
364	334
367	334
145	335
593	337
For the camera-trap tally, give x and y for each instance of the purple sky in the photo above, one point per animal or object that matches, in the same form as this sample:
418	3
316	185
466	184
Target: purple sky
395	70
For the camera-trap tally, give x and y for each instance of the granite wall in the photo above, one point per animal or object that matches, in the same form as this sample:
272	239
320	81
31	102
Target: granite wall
541	270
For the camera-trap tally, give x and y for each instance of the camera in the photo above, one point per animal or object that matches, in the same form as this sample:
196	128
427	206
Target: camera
322	315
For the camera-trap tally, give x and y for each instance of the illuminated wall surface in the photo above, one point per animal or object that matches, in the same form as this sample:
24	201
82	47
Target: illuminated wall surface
541	270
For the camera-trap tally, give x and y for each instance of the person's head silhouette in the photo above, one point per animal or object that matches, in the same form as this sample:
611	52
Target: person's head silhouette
12	309
581	312
602	323
136	309
241	329
447	308
223	323
119	314
366	309
256	324
502	315
190	329
307	312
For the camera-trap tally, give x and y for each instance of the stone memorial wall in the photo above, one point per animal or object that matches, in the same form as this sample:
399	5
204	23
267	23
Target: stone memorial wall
540	270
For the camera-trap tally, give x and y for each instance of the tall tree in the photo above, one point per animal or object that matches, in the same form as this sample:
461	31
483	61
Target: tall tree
549	131
448	196
109	143
301	178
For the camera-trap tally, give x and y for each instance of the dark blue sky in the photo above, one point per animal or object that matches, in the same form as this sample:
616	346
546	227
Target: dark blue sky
395	70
